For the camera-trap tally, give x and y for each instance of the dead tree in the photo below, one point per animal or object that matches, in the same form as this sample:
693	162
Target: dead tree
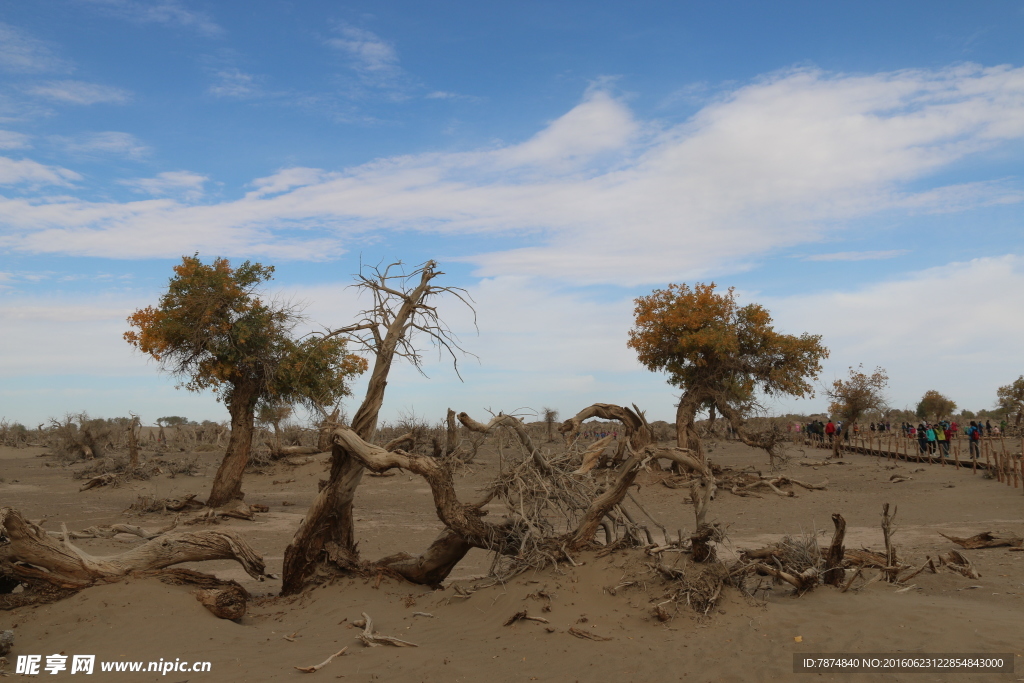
134	427
400	313
834	574
51	568
465	524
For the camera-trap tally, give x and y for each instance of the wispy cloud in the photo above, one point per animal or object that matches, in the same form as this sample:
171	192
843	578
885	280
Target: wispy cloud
21	53
599	196
374	62
187	185
366	50
11	140
107	142
233	83
857	255
445	95
28	172
168	12
79	92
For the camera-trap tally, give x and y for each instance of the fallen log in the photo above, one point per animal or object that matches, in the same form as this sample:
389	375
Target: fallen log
111	530
52	569
985	539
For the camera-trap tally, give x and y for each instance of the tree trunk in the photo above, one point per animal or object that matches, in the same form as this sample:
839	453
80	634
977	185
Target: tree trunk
227	485
687	437
327	531
834	573
133	443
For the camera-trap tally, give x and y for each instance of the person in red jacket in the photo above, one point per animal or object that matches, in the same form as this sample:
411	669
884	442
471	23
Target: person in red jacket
830	430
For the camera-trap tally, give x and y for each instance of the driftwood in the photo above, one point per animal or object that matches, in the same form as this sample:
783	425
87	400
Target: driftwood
985	539
522	615
99	480
956	562
228	602
592	456
774	483
52	569
317	667
278	452
371	639
802	582
111	530
585	635
225	598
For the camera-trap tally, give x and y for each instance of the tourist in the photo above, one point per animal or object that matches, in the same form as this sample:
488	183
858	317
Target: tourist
974	437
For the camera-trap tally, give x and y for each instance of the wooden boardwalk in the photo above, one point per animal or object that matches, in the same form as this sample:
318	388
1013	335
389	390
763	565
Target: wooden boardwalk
1003	460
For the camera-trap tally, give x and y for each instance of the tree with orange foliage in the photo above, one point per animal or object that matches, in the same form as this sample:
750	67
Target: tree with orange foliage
853	397
720	354
212	329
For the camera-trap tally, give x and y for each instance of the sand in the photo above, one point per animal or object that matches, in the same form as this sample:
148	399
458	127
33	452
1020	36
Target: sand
743	639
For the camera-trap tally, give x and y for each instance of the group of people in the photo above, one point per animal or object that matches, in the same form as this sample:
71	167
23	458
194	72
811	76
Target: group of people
932	438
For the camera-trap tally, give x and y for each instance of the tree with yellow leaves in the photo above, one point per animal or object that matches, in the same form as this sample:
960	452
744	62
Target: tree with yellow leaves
213	330
720	354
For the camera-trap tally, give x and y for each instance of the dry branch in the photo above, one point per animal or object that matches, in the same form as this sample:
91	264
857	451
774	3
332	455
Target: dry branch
371	639
956	562
314	669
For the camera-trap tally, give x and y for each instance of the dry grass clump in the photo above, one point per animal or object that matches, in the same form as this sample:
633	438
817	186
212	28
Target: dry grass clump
697	586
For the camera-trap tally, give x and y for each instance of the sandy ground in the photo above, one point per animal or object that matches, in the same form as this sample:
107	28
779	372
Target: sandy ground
744	639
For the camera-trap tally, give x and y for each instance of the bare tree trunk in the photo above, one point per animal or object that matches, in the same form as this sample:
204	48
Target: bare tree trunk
686	424
327	532
227	484
133	443
834	574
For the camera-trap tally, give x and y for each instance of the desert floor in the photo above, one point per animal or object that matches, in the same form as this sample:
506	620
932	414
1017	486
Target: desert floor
746	638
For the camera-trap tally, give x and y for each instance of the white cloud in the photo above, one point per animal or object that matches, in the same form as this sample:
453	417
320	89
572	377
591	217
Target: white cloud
373	60
168	12
26	171
445	95
953	328
79	92
287	179
11	140
367	51
184	183
21	53
857	255
107	142
234	83
603	197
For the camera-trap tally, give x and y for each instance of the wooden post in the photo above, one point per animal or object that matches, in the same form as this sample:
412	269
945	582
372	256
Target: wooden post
985	448
956	452
1006	459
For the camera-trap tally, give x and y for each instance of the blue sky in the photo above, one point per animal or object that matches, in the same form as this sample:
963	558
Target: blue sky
856	167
